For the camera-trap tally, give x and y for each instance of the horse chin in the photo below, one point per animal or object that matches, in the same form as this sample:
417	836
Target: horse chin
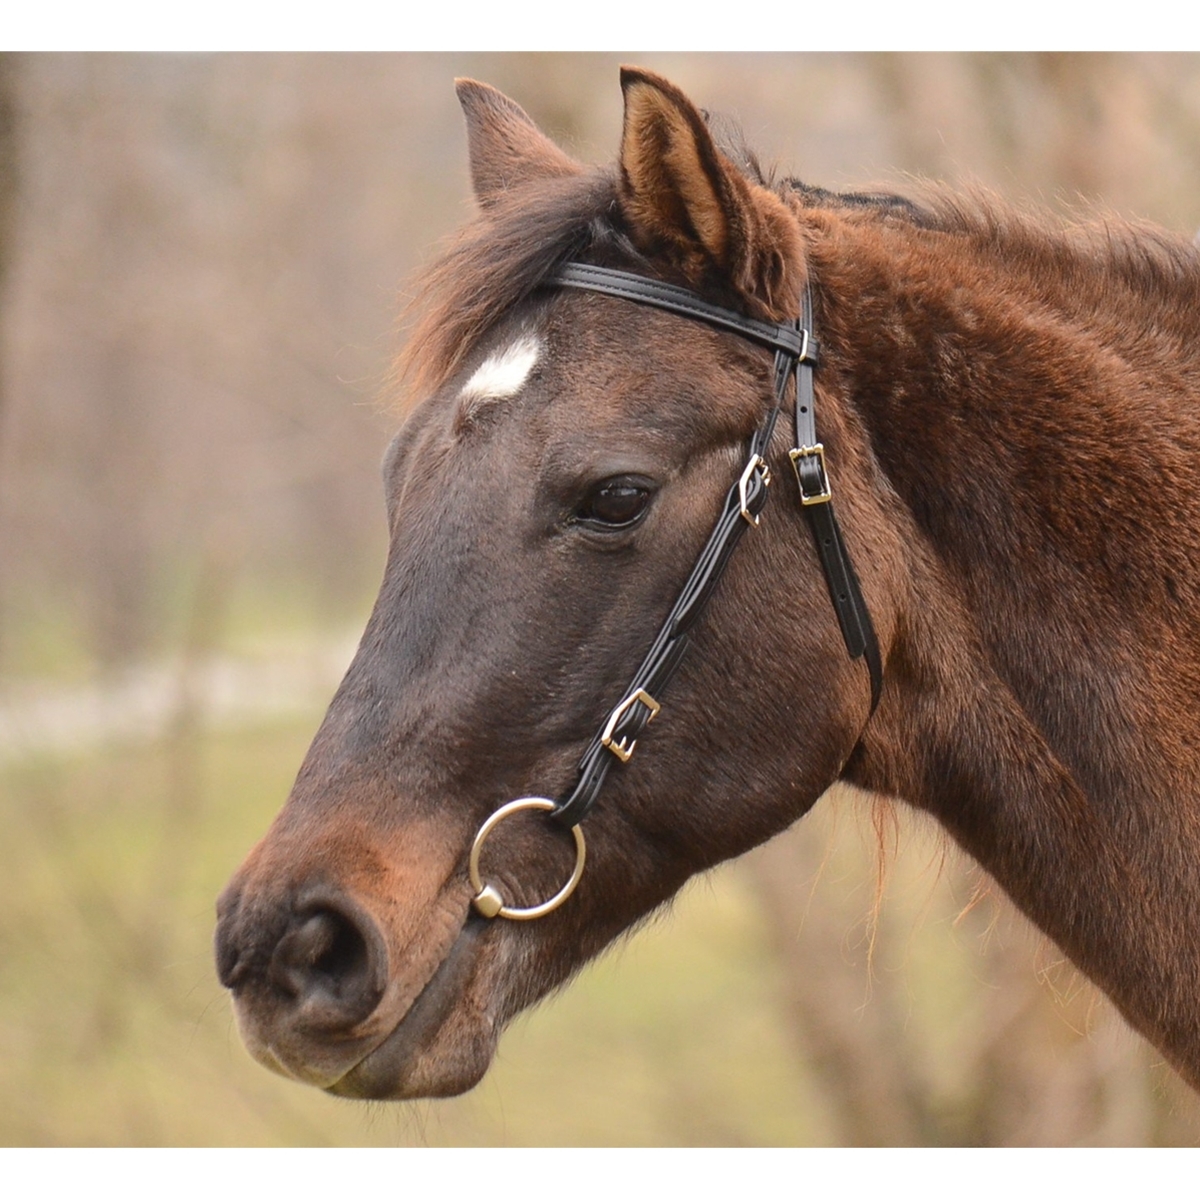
444	1043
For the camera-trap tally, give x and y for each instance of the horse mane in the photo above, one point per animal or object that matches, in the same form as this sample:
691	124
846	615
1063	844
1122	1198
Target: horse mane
1095	263
1088	254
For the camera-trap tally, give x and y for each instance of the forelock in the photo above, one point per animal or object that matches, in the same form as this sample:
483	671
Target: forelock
494	263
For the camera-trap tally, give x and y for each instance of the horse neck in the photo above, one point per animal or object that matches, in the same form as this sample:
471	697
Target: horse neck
1041	471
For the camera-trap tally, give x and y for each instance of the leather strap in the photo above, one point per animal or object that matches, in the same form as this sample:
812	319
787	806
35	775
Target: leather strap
789	338
795	351
808	460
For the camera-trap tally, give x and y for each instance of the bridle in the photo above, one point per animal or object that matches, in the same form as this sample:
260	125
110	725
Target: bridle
795	352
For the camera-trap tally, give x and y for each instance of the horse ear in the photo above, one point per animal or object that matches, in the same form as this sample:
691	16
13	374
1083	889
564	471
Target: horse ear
682	196
505	147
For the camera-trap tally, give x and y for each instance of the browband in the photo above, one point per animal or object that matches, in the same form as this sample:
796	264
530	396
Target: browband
639	289
795	351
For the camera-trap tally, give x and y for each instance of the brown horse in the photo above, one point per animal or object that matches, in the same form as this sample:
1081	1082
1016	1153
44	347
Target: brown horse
1011	432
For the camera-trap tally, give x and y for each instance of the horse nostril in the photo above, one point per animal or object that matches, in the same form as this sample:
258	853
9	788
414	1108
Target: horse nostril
328	945
328	964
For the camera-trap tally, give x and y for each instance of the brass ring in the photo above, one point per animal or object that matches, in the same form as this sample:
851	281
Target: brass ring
487	899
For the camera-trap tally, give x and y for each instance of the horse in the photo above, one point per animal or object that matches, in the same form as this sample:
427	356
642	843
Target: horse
974	589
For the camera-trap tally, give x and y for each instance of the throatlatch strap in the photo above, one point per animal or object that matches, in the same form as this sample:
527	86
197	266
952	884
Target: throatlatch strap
808	459
795	351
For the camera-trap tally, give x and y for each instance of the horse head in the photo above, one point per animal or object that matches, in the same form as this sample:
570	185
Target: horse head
547	497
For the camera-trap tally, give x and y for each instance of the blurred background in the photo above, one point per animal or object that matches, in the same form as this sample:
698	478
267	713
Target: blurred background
201	262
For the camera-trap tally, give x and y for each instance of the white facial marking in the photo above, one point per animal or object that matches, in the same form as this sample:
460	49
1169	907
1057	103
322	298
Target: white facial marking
502	374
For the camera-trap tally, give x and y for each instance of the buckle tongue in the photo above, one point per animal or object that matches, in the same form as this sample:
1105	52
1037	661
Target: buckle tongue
623	749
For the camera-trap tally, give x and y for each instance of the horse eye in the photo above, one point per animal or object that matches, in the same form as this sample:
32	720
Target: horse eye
614	504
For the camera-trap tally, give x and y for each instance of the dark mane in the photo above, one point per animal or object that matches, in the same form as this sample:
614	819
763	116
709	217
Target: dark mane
887	204
732	143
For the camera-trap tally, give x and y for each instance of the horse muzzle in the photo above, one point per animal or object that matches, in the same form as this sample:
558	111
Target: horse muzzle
320	985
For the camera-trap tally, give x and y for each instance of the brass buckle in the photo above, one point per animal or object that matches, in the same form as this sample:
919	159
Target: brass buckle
817	452
756	461
622	749
487	899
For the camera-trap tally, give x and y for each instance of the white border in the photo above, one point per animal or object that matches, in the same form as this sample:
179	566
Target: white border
614	25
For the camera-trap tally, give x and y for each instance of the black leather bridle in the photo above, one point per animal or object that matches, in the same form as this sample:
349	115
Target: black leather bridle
795	353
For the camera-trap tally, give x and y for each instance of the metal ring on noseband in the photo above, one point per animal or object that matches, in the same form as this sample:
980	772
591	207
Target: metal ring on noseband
487	899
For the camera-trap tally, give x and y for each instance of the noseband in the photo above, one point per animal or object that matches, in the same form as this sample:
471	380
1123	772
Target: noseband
795	352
